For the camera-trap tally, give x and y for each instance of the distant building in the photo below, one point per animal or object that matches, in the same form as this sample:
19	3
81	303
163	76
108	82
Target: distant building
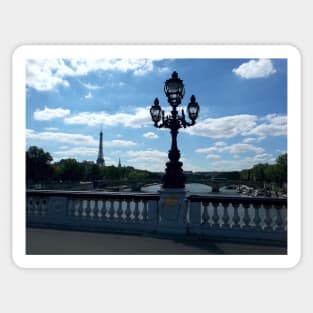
100	160
119	163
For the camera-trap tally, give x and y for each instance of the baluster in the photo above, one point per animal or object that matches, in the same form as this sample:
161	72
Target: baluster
29	204
104	210
215	216
257	219
226	216
145	210
236	217
71	208
88	208
96	210
92	208
285	219
111	210
120	210
246	218
36	207
43	207
128	210
80	208
136	211
268	219
205	214
279	220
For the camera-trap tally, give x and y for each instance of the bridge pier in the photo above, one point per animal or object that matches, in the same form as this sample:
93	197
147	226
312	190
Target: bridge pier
215	188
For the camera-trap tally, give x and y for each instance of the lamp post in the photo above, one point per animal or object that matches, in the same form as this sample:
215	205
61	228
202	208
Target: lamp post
175	91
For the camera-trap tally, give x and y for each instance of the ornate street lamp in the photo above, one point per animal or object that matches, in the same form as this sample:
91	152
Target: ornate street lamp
175	91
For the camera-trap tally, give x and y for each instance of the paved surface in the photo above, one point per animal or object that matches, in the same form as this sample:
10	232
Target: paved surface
48	241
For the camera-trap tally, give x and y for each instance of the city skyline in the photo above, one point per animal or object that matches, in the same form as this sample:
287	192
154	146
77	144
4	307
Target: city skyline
242	120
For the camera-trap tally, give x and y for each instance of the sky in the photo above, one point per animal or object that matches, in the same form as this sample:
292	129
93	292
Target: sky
242	119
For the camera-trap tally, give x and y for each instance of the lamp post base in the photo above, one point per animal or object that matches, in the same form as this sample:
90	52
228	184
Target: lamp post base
172	211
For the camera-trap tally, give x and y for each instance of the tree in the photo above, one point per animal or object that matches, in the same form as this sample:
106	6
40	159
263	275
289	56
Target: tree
38	167
282	164
71	170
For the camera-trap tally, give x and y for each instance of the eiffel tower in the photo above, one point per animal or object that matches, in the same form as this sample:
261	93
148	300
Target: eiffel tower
100	160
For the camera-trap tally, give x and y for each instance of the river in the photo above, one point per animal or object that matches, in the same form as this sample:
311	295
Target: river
195	188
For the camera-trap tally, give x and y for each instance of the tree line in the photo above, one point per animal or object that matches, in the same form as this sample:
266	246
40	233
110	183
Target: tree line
40	169
274	174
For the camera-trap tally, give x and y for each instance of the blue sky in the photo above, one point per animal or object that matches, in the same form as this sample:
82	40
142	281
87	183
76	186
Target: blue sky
242	119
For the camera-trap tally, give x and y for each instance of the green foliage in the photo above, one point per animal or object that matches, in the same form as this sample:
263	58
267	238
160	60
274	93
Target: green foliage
270	173
137	175
69	170
38	167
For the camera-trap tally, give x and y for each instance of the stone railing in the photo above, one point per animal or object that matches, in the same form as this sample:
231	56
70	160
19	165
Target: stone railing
235	218
92	211
225	218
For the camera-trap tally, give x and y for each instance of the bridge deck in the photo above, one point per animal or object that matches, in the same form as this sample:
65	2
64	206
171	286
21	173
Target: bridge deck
48	241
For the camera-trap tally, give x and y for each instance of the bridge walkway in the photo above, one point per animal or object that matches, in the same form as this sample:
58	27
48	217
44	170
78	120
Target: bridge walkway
63	242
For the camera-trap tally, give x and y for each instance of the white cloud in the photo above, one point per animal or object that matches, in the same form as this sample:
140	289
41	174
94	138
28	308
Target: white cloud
274	125
242	148
213	156
255	69
91	86
52	129
150	135
236	148
154	160
49	114
224	127
208	150
77	151
119	143
42	74
242	163
243	125
89	96
139	118
220	144
76	139
46	74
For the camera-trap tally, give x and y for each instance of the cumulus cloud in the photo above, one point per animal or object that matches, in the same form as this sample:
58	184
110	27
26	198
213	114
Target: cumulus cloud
52	129
76	139
154	160
241	125
220	144
255	69
91	86
139	118
236	148
119	143
242	163
272	125
77	151
49	114
46	74
68	138
224	127
213	156
150	135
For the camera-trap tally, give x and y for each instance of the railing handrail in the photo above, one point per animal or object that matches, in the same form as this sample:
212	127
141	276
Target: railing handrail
93	194
238	200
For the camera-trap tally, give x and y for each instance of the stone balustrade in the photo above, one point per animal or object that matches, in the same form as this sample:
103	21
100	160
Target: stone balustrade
218	218
235	218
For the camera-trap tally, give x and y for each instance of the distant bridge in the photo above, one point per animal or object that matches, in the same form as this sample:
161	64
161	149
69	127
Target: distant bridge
214	183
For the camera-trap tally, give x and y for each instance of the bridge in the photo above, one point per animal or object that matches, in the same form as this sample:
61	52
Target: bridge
214	183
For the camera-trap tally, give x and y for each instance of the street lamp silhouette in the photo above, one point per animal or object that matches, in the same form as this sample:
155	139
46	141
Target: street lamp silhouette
174	90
